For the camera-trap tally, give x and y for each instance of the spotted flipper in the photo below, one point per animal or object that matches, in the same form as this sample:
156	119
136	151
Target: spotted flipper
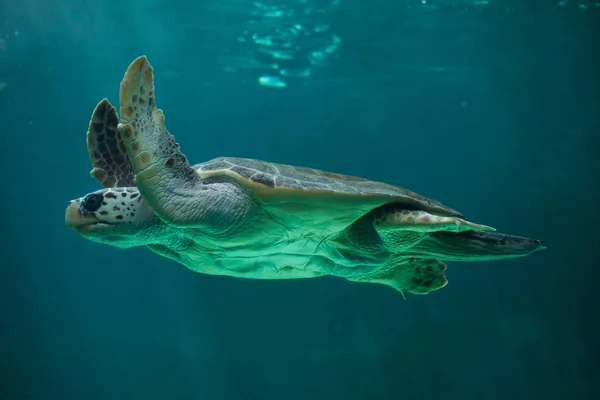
161	170
111	166
414	276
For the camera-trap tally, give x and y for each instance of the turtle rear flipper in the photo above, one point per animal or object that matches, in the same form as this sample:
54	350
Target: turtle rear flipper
478	246
414	276
416	233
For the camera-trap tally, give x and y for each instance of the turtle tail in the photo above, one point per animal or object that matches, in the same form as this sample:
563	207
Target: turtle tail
477	246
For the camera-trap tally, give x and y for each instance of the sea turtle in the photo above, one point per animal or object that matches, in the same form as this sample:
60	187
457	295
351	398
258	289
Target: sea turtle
253	219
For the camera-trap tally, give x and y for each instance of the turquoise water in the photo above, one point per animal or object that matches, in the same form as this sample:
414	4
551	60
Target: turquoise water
488	106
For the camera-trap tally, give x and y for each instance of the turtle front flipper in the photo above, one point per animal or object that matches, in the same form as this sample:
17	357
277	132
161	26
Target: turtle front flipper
157	161
163	175
111	166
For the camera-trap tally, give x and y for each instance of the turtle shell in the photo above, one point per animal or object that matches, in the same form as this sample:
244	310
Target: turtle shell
278	184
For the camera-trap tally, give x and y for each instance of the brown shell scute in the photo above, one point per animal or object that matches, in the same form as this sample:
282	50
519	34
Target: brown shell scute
286	176
279	175
265	179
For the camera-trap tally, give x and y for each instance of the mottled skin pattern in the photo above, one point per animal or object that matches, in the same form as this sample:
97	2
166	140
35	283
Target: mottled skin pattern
106	148
253	219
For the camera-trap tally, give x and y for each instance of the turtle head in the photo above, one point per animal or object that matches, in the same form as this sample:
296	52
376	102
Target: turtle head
116	216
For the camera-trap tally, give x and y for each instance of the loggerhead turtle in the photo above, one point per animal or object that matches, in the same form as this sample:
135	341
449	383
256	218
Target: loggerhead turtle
253	219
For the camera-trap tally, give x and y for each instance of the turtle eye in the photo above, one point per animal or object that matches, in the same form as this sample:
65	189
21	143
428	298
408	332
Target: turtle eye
92	202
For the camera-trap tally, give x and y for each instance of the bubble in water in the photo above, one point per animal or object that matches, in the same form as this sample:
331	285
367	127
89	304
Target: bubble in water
271	81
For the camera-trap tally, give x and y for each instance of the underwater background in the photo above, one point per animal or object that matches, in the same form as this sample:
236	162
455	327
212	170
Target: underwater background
491	107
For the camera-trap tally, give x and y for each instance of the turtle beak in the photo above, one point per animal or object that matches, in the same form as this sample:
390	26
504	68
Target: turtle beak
75	219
